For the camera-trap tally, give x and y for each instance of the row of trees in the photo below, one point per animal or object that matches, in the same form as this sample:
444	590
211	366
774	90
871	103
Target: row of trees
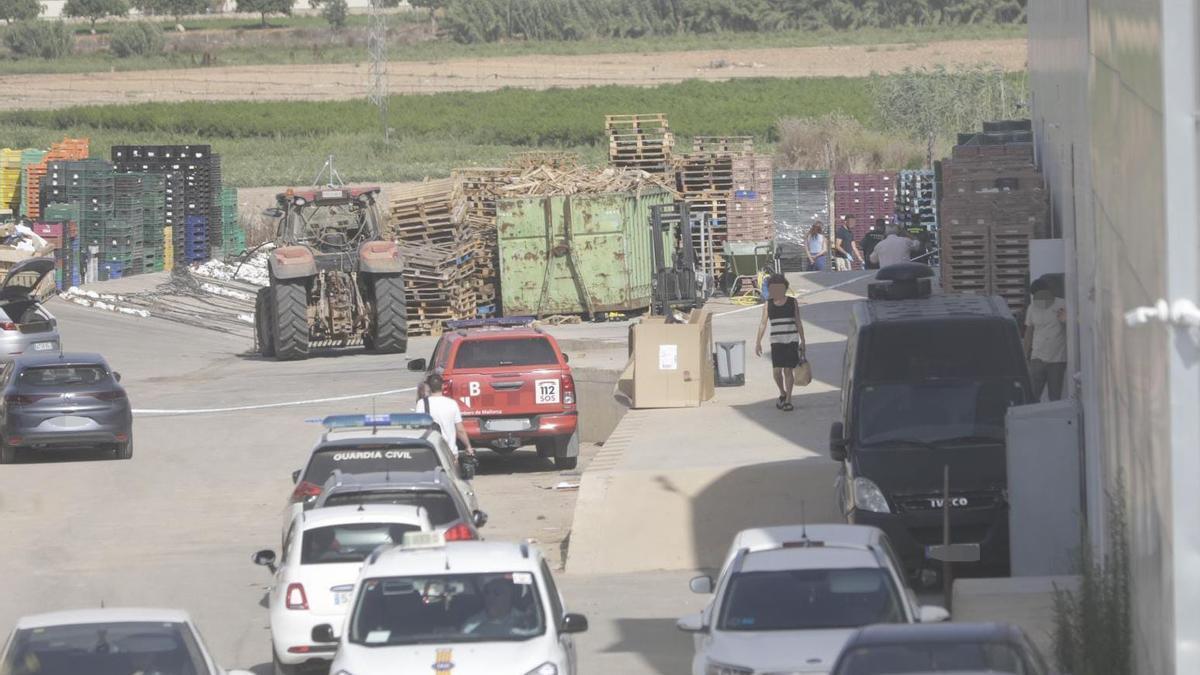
13	11
493	20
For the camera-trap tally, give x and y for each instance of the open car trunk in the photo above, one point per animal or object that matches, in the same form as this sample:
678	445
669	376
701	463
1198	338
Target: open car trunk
18	295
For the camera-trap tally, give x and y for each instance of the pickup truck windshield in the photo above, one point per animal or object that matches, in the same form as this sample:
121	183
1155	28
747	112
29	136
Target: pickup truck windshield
935	410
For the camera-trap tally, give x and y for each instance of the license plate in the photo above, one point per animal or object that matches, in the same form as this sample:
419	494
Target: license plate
68	422
43	346
521	424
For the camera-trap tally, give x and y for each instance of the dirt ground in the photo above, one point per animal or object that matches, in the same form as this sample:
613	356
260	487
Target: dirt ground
346	81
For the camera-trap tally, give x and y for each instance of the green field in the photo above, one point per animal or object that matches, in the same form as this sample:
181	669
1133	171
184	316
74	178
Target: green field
446	49
280	142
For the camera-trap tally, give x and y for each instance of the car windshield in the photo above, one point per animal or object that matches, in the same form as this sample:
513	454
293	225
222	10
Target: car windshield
907	351
441	507
63	376
350	542
447	608
809	600
913	657
105	649
935	410
372	458
491	353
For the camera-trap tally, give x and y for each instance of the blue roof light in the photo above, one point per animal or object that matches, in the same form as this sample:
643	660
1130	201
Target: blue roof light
396	420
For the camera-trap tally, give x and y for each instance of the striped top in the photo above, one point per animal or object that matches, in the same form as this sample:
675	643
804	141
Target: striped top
782	319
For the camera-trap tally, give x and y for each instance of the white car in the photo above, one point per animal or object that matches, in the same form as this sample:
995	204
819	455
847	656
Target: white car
360	444
322	554
466	607
788	598
110	640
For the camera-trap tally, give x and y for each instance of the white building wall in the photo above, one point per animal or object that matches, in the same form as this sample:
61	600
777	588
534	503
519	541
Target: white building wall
1099	89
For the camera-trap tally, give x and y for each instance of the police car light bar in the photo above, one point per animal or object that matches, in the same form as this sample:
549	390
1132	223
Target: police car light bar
505	321
395	420
423	540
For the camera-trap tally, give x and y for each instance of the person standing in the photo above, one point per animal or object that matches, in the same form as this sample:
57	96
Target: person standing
788	347
817	247
845	249
446	414
1046	341
870	240
893	250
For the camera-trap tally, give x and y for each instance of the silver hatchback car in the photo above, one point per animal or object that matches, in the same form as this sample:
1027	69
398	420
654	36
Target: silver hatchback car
60	401
25	325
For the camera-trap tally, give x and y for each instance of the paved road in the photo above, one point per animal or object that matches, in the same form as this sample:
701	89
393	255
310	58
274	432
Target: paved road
176	525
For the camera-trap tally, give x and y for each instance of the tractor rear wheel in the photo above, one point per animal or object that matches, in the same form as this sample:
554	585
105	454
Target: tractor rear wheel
289	311
263	340
389	326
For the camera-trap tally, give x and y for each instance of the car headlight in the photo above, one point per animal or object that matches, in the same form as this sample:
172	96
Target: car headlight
714	668
544	669
869	497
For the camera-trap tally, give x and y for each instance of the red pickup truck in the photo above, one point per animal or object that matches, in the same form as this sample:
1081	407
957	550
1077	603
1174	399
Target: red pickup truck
514	387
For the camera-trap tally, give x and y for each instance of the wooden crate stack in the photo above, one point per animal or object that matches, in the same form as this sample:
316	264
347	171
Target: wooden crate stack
444	256
752	207
640	142
992	204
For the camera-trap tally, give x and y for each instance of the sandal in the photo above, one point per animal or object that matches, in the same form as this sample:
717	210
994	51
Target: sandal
787	407
779	405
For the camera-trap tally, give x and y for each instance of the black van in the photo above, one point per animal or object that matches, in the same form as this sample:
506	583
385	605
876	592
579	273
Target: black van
926	383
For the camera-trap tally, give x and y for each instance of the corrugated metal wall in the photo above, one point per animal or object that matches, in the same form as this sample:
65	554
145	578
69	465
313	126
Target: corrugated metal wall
1098	107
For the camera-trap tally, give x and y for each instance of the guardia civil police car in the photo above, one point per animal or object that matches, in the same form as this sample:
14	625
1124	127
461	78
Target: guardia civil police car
466	607
362	444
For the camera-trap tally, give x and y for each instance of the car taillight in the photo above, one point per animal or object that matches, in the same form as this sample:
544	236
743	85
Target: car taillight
305	490
114	395
295	598
460	532
23	399
568	390
7	325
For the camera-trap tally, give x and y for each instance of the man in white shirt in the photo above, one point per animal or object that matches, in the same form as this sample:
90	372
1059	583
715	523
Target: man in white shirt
1046	341
893	249
445	413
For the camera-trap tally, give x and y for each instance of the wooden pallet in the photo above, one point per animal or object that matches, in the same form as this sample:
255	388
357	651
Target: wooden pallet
736	145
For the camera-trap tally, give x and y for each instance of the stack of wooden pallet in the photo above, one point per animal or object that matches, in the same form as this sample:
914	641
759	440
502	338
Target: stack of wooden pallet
640	142
992	204
752	207
737	145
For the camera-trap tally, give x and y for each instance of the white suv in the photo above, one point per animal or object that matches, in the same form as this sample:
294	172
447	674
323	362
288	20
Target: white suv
467	607
788	598
322	554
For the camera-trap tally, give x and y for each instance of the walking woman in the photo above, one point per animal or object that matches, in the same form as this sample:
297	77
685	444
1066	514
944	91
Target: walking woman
817	248
782	313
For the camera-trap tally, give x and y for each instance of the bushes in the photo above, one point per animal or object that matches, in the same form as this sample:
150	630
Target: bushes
47	39
838	143
494	20
141	38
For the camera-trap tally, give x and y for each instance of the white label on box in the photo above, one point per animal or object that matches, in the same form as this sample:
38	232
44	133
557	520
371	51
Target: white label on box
668	357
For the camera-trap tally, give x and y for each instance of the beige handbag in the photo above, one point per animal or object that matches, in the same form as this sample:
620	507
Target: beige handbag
803	373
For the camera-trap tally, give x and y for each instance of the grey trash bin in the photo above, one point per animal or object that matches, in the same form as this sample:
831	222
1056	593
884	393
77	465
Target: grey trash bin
731	363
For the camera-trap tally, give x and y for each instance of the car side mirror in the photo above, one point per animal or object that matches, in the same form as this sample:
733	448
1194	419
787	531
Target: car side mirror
837	442
266	558
574	623
932	614
692	623
116	376
418	365
479	518
566	358
323	634
702	585
296	476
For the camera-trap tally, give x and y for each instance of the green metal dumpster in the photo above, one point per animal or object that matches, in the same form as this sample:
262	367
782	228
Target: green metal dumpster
576	254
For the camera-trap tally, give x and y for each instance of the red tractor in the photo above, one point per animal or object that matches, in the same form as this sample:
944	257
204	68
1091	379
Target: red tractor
334	281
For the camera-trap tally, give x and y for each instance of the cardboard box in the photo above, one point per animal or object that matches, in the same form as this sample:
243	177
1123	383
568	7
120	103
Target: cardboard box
672	362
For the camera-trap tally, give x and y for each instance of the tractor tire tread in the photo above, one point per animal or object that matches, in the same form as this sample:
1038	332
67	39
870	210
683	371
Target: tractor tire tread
290	314
391	318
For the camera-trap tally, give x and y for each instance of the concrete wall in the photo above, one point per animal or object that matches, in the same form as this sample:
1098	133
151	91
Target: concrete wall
1106	119
599	412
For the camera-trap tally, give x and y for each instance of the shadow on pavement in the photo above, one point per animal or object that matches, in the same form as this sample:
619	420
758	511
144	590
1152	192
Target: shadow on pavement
807	426
658	641
761	495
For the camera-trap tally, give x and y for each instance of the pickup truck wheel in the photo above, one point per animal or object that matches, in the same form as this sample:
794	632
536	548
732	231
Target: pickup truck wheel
263	340
390	325
289	305
566	451
546	447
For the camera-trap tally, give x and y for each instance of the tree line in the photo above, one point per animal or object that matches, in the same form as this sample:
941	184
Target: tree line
495	20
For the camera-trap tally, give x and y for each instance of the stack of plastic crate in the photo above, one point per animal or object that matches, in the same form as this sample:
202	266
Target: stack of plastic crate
29	157
124	233
33	174
154	208
233	237
10	179
191	190
89	184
